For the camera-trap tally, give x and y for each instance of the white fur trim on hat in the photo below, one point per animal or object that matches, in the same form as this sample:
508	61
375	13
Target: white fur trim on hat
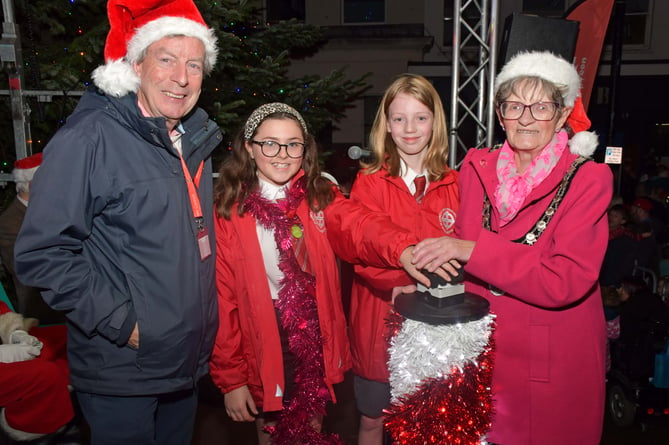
118	78
584	143
547	66
24	174
172	26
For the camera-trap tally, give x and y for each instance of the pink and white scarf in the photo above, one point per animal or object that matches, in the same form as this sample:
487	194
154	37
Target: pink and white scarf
514	187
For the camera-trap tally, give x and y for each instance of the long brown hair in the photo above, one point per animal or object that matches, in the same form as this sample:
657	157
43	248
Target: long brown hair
237	175
382	144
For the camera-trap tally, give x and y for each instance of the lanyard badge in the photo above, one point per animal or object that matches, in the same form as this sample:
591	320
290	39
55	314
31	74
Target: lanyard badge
202	233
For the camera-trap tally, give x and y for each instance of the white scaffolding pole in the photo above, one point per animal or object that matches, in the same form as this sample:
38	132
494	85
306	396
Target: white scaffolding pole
474	61
12	65
10	57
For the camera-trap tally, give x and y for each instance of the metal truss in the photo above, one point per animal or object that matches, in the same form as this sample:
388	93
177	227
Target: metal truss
11	63
474	61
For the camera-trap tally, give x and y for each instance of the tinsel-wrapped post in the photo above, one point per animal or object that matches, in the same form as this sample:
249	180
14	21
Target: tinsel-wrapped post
440	378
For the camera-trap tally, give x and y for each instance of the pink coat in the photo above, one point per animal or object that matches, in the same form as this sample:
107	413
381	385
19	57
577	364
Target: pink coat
549	374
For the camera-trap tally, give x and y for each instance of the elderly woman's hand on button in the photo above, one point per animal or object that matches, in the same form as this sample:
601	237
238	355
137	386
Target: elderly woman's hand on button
442	255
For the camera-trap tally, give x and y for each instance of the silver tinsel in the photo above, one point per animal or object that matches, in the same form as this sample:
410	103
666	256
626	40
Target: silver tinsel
422	351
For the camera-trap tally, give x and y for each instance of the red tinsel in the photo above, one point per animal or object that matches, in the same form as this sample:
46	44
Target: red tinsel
453	409
299	318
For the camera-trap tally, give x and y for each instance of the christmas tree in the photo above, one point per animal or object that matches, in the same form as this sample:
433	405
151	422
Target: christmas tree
63	41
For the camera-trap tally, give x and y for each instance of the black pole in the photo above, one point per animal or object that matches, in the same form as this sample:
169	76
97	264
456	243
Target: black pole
616	56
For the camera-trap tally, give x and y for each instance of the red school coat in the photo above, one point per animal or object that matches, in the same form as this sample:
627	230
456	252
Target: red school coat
548	378
247	350
370	307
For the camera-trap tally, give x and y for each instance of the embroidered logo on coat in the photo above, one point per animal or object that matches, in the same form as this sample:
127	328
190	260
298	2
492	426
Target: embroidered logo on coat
447	220
318	219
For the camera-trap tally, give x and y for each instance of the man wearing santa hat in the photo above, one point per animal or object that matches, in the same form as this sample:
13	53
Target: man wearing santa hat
26	300
117	231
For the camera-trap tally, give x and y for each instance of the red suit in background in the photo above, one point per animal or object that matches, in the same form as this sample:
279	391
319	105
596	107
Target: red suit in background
34	392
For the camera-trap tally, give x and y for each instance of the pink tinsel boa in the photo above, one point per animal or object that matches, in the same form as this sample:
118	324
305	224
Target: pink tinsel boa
299	318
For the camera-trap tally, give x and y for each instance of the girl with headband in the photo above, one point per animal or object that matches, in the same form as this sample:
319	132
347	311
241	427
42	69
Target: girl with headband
281	343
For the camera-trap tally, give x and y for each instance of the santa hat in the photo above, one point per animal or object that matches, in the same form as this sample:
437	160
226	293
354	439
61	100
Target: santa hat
643	204
24	169
134	26
546	65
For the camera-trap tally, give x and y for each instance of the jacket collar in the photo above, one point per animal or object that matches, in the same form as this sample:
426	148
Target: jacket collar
197	126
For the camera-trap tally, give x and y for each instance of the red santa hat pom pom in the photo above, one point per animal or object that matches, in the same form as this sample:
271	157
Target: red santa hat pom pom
134	26
25	168
583	143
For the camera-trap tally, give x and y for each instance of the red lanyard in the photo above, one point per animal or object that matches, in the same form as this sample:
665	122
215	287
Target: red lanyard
192	185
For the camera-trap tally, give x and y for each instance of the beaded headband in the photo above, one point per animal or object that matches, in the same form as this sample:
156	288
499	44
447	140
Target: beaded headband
260	113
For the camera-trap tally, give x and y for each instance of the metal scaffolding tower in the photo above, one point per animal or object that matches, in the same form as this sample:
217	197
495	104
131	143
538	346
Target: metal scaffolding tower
10	57
474	61
12	65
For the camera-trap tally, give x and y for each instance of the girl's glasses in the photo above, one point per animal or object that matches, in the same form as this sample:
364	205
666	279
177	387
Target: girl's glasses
272	148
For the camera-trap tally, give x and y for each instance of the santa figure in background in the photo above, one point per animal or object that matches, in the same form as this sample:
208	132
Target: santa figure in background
34	392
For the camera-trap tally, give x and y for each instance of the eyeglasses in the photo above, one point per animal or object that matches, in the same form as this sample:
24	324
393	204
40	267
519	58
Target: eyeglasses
272	148
540	111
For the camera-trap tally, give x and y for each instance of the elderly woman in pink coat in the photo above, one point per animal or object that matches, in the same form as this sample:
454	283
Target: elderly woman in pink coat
532	232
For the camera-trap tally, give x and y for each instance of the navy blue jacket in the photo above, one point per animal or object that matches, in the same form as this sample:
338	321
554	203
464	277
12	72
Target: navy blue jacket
110	236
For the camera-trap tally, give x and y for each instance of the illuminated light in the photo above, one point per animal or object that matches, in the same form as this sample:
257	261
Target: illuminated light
666	411
650	411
